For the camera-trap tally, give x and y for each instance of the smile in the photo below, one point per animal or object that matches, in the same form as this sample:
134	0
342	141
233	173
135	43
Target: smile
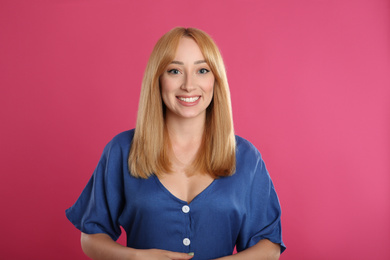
189	99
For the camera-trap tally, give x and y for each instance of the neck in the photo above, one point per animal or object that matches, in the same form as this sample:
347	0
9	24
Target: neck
185	137
185	131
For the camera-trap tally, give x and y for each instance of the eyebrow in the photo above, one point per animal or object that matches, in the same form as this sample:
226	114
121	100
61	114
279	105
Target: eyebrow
182	63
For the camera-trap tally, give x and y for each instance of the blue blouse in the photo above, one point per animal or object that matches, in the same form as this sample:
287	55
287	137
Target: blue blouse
239	210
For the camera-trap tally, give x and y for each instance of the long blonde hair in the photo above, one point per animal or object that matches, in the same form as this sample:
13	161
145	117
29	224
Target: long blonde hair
150	146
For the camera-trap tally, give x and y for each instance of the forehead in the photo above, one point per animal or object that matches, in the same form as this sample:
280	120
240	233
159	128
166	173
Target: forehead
188	50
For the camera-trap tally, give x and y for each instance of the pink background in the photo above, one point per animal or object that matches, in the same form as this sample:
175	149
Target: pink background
310	84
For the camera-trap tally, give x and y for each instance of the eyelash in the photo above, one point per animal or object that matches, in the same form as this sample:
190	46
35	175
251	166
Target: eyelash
203	69
176	71
173	71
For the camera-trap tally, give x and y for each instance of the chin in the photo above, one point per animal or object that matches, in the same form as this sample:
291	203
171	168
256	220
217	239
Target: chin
190	115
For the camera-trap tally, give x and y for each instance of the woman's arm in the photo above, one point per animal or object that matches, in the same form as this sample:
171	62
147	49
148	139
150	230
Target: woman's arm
263	250
102	247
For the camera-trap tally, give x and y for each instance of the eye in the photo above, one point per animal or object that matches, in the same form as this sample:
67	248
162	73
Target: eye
173	71
203	71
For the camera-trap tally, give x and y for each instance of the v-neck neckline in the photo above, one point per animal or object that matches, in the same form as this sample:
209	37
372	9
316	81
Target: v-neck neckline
170	194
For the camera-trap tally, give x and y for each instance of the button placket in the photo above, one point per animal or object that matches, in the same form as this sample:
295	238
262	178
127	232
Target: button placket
186	239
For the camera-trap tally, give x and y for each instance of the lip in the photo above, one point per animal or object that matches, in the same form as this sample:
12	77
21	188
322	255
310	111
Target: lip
189	104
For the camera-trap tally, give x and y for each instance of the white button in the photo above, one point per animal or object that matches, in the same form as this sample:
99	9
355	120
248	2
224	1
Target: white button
186	242
185	209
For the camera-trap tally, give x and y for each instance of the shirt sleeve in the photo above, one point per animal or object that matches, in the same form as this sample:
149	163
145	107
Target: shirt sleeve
263	218
100	204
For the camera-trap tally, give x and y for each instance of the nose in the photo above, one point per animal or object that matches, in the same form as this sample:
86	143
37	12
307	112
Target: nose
188	83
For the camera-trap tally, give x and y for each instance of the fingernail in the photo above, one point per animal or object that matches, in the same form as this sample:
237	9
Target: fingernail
191	254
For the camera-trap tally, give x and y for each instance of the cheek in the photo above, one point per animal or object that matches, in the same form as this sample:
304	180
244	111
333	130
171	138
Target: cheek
167	90
210	86
163	90
166	85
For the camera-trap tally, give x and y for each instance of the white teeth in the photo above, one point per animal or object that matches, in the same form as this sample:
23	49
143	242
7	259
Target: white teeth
189	100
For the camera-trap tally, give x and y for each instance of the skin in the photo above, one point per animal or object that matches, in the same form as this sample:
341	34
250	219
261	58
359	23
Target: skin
102	247
188	76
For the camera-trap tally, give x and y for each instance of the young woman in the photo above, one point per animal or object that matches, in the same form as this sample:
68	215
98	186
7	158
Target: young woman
181	184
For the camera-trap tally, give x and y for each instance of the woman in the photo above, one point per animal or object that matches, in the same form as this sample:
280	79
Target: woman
181	184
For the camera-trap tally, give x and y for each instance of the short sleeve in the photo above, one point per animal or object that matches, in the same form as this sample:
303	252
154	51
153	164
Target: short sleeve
100	204
263	218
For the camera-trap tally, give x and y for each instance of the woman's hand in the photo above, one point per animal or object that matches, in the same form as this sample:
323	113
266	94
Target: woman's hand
102	247
263	250
229	257
157	254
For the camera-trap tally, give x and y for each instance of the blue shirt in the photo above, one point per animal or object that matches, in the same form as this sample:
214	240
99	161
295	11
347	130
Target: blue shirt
239	210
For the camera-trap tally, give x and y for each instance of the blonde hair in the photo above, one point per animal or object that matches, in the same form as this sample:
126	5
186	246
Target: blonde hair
150	146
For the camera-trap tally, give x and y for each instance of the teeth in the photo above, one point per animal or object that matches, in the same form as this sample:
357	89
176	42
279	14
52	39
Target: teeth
189	100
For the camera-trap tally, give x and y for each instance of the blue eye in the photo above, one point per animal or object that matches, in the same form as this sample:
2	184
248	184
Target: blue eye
174	71
203	71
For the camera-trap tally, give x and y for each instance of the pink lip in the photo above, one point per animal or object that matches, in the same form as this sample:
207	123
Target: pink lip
188	104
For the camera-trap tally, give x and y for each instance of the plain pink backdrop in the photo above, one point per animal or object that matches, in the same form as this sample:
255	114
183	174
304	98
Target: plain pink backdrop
310	88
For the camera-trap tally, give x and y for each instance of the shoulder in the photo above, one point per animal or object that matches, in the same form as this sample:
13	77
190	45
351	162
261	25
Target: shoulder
250	164
246	150
248	159
124	137
120	143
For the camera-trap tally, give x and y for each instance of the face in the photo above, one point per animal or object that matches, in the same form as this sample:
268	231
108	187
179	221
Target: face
187	83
